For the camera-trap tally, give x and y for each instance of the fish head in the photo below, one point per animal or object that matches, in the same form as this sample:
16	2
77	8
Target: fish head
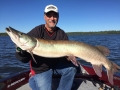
21	39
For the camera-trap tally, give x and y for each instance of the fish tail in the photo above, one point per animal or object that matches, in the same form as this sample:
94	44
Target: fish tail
110	72
116	68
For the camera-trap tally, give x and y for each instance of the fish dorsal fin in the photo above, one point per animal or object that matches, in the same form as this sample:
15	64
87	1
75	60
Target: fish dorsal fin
104	50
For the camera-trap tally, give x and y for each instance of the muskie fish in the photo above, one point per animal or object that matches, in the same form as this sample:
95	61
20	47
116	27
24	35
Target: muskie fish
96	55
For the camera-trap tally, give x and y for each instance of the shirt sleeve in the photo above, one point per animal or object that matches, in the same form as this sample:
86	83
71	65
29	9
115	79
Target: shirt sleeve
25	58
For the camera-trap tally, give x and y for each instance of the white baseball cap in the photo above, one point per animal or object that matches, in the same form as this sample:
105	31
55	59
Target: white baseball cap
49	8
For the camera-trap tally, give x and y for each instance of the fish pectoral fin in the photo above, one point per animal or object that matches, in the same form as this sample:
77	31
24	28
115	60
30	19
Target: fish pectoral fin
73	60
97	69
104	50
110	76
32	56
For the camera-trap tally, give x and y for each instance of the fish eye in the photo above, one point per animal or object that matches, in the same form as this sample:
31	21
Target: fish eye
20	34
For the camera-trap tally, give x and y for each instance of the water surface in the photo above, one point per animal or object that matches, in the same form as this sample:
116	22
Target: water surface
10	65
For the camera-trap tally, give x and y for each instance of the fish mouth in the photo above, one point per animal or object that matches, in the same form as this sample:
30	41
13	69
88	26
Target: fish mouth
8	30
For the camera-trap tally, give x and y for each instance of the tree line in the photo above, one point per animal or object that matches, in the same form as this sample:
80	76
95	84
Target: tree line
83	33
3	34
97	32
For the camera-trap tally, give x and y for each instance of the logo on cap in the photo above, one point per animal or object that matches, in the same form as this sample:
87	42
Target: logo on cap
49	8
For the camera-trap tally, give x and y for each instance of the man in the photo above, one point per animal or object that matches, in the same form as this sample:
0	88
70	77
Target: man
42	71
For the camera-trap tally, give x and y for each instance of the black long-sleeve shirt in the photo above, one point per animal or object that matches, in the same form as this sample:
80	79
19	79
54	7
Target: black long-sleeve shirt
43	64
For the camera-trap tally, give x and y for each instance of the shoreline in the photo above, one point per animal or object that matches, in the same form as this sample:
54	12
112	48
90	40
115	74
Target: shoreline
83	33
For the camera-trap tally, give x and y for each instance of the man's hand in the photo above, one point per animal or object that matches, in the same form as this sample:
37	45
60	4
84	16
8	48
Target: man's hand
73	60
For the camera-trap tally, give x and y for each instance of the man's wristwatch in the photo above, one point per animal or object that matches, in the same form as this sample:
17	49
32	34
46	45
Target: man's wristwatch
18	49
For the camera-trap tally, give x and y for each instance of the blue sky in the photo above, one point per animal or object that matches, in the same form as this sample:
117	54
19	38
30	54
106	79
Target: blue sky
75	15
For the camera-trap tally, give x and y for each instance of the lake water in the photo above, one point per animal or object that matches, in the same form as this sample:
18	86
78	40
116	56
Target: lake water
10	65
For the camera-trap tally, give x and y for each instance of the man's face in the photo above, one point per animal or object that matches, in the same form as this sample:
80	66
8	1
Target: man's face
51	19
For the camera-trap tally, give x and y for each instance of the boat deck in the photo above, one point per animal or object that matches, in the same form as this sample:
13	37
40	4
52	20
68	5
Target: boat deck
86	79
77	85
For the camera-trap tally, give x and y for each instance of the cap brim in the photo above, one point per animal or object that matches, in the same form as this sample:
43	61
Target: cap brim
50	11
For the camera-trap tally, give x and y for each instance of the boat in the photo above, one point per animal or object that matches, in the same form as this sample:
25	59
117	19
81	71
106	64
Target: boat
85	79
